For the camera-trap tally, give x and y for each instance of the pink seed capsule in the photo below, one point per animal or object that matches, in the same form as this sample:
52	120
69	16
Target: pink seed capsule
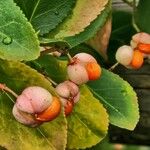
67	90
141	37
77	73
124	55
85	58
34	100
24	118
83	68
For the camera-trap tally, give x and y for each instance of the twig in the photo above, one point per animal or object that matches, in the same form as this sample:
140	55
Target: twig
70	57
9	96
133	17
5	88
53	82
113	67
42	71
48	50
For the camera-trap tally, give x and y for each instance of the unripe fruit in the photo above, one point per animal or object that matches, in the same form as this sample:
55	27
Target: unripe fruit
79	70
34	100
24	118
51	112
137	60
124	55
145	48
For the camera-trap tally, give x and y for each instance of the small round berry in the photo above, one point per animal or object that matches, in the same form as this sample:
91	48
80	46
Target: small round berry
137	60
77	73
84	58
124	55
93	70
51	112
24	118
34	100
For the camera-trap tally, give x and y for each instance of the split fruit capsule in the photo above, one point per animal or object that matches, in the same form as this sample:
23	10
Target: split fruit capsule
83	68
140	37
36	105
69	95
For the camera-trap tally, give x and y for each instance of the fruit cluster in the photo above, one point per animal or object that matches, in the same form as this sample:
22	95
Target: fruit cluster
81	68
36	105
133	56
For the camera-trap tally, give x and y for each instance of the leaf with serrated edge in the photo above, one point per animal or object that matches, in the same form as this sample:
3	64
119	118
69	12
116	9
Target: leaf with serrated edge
45	15
18	39
118	97
88	123
88	33
15	136
83	14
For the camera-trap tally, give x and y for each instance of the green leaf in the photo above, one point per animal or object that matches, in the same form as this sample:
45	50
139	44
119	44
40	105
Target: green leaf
45	15
50	66
87	49
88	123
16	136
119	99
88	32
18	39
142	16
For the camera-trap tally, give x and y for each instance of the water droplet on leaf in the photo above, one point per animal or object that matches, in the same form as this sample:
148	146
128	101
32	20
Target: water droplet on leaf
7	40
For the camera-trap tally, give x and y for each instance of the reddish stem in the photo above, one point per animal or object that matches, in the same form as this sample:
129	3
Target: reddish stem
5	88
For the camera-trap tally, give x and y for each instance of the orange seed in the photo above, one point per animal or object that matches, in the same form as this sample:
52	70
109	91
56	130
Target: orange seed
51	112
137	60
94	70
68	107
145	48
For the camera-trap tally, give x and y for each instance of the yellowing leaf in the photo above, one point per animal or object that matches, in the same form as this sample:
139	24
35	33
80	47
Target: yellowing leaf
15	136
84	13
88	124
